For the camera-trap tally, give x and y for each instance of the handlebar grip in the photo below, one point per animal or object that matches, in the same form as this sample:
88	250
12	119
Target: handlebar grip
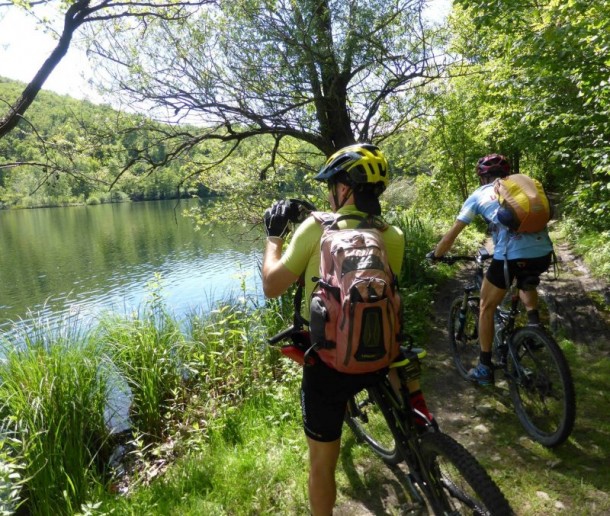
456	258
281	336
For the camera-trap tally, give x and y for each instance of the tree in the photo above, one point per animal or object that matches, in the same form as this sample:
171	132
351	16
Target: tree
326	72
546	68
79	13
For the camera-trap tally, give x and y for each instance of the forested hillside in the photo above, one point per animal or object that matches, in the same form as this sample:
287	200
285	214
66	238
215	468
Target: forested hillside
68	151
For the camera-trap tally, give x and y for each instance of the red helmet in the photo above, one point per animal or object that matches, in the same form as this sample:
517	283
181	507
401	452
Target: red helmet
494	164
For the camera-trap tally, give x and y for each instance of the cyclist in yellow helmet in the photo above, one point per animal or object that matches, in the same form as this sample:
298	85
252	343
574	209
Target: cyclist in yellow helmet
356	175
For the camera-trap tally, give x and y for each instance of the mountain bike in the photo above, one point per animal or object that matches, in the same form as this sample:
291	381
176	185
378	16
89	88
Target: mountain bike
537	372
443	477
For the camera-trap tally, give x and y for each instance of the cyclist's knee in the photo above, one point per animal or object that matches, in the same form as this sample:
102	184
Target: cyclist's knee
491	297
323	456
488	306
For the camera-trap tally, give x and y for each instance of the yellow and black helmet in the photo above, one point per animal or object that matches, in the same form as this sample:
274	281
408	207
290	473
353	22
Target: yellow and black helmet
362	162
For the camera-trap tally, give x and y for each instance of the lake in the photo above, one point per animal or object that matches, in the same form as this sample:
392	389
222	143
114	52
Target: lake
79	262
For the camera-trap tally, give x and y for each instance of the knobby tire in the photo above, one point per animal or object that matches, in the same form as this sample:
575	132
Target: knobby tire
449	478
466	486
541	386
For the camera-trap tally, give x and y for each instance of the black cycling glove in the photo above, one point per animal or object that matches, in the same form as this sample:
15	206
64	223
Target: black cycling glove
282	212
276	219
299	209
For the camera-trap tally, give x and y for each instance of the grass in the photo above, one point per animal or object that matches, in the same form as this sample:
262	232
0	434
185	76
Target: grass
571	479
53	397
593	247
146	352
188	391
216	424
253	463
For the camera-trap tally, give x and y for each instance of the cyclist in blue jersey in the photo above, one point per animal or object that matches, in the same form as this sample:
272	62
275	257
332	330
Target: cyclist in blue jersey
516	255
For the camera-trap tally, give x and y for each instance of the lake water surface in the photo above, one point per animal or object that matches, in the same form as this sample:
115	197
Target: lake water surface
79	262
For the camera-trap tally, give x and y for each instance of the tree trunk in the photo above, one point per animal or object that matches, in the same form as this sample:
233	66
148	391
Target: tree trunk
17	110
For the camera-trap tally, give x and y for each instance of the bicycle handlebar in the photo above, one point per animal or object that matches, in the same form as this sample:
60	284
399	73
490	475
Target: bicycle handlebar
283	335
456	258
481	255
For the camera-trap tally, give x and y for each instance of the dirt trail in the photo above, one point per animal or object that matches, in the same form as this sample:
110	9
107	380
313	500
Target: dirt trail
572	300
579	307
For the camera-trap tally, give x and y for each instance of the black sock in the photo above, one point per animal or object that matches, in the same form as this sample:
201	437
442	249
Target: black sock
485	358
533	317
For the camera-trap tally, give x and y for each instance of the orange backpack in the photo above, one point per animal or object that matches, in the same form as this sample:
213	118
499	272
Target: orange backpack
355	308
524	206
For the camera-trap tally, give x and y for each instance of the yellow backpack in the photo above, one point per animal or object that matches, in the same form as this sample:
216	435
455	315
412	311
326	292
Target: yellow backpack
524	206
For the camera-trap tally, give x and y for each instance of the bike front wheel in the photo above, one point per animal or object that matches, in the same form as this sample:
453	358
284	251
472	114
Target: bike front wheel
453	482
464	334
541	386
366	420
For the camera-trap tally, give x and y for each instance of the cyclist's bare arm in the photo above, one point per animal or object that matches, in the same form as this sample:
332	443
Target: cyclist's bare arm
447	241
276	276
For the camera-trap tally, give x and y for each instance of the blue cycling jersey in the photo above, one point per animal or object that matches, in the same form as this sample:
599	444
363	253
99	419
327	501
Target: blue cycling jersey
507	244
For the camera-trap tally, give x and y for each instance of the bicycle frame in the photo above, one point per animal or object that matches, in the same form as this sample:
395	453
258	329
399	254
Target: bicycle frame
402	412
542	390
399	414
506	318
505	322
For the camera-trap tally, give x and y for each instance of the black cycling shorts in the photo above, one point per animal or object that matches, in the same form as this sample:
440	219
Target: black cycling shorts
324	395
523	269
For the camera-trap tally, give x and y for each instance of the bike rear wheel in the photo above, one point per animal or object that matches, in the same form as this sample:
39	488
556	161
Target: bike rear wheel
464	334
454	482
541	386
368	423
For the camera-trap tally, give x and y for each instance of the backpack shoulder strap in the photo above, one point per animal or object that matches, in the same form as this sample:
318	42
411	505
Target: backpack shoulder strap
374	222
324	218
298	320
331	220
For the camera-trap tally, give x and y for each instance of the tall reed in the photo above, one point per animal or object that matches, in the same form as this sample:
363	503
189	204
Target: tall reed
419	240
53	394
146	351
228	355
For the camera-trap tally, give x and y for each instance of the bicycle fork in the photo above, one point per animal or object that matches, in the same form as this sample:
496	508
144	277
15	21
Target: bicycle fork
464	311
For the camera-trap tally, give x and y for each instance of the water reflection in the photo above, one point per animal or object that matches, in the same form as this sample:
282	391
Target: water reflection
82	261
